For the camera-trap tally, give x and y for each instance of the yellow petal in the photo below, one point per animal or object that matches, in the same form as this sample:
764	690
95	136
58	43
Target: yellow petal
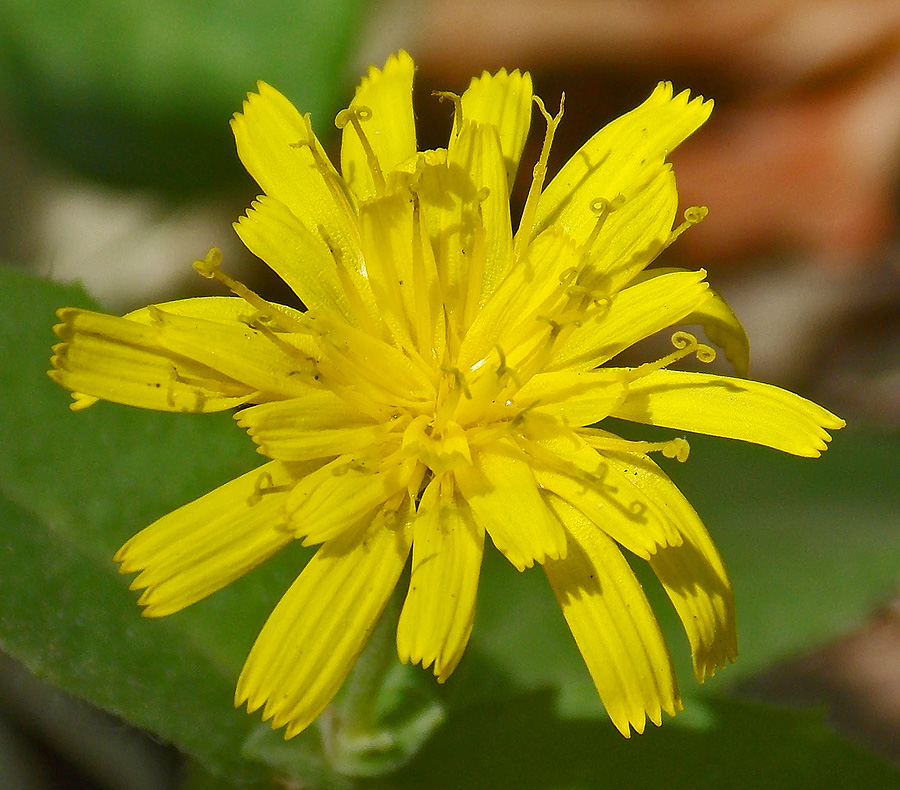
477	149
389	126
277	146
318	629
447	196
506	502
316	425
504	101
402	272
332	499
373	367
121	360
466	211
439	610
232	311
732	408
573	470
628	151
634	232
207	544
612	622
634	313
692	574
574	397
225	309
237	350
515	315
724	328
297	255
718	320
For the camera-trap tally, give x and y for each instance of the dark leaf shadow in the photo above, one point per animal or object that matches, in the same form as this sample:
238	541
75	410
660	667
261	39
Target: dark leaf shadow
522	743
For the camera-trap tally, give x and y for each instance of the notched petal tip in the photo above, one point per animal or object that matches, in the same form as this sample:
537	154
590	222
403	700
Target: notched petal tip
80	401
715	658
66	329
397	61
67	313
265	90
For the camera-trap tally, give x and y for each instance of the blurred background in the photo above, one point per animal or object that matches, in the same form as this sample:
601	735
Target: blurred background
117	169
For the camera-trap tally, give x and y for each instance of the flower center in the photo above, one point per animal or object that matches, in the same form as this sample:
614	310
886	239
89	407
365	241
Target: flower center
439	449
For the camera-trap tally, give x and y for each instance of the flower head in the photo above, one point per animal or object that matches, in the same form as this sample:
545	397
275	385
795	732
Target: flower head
444	381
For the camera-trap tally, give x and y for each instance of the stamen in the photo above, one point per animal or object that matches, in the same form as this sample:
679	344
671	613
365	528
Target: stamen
475	274
602	208
677	448
422	272
440	450
568	275
685	344
555	326
443	96
210	268
449	395
472	292
353	465
264	485
420	478
336	185
595	478
538	346
538	174
175	377
310	366
693	215
354	115
459	379
638	511
350	288
504	371
519	420
596	296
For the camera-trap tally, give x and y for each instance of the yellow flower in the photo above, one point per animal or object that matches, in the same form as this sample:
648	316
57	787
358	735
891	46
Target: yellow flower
441	384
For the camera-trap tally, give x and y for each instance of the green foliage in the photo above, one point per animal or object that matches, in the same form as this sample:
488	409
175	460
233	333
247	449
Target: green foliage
139	93
521	743
810	545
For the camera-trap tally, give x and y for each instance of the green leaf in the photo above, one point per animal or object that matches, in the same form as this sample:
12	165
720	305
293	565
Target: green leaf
522	743
74	486
75	625
141	93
